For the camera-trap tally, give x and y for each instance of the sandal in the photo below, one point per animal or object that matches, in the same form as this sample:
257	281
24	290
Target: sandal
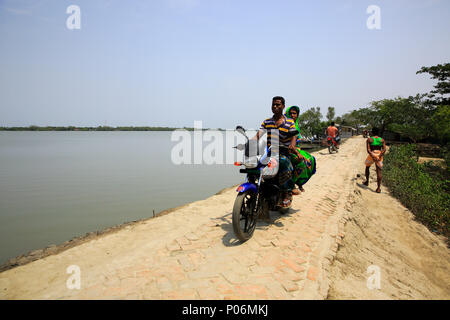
286	203
287	200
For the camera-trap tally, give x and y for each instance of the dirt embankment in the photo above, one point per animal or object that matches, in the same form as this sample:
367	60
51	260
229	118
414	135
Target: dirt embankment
413	262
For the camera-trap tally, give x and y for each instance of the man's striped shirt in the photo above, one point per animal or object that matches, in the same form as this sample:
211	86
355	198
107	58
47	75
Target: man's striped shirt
285	130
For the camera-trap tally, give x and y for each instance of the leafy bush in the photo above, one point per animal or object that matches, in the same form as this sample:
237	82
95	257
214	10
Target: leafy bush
422	188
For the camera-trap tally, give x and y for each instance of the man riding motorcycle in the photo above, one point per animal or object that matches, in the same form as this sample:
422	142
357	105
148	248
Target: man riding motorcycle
287	137
333	133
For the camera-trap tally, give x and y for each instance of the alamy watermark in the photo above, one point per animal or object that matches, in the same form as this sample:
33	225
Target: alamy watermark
73	22
374	20
374	280
74	281
214	146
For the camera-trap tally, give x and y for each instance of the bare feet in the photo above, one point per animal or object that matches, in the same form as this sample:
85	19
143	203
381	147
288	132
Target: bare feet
296	192
366	183
378	190
301	189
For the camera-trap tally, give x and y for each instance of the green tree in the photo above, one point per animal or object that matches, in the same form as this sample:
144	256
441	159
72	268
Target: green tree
331	114
441	73
412	119
440	100
310	122
419	117
441	123
409	117
358	118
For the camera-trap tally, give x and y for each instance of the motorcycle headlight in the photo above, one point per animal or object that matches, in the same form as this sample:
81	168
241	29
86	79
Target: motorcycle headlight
251	162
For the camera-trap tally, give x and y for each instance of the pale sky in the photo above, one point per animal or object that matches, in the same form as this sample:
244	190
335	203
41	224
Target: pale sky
170	62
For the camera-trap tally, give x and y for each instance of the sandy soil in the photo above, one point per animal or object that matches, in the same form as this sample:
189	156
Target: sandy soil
414	263
436	161
191	253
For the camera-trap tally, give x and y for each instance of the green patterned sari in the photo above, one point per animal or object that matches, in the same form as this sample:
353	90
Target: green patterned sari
303	168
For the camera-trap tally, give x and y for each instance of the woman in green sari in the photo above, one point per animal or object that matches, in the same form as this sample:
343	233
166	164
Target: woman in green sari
304	164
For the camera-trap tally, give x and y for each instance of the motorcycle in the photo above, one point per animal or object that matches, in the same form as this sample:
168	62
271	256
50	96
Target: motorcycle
332	145
260	192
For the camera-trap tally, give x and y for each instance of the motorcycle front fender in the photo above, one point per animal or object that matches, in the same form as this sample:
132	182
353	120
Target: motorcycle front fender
247	186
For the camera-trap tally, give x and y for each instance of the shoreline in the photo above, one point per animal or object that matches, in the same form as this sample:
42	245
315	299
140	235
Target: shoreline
54	249
194	254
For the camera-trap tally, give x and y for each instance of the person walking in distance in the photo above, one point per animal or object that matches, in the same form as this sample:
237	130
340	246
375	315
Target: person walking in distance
376	147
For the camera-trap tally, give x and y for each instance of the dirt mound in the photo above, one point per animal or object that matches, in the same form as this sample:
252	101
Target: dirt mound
413	262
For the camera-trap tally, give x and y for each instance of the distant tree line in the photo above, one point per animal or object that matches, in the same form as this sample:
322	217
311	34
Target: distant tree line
311	123
423	117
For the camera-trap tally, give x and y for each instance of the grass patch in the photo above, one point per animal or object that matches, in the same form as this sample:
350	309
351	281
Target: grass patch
422	188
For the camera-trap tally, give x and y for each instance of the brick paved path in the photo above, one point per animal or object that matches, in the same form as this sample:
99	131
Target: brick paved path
192	253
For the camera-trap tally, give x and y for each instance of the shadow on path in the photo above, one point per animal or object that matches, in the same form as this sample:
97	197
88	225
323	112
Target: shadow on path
230	240
363	186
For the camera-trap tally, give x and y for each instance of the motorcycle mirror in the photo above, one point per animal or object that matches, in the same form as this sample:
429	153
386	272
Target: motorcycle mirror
241	131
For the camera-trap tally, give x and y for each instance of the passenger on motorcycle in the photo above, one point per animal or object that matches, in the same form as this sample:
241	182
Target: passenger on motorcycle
333	133
304	163
287	136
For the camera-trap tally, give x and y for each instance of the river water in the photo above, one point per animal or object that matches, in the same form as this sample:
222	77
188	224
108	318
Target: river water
58	185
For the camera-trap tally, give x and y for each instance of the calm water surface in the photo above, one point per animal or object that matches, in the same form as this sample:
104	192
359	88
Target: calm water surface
58	185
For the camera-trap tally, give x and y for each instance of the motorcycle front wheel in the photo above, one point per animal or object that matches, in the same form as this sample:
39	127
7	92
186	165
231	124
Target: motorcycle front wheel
244	215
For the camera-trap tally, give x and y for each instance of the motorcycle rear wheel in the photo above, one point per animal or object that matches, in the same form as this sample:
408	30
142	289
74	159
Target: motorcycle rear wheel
244	215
